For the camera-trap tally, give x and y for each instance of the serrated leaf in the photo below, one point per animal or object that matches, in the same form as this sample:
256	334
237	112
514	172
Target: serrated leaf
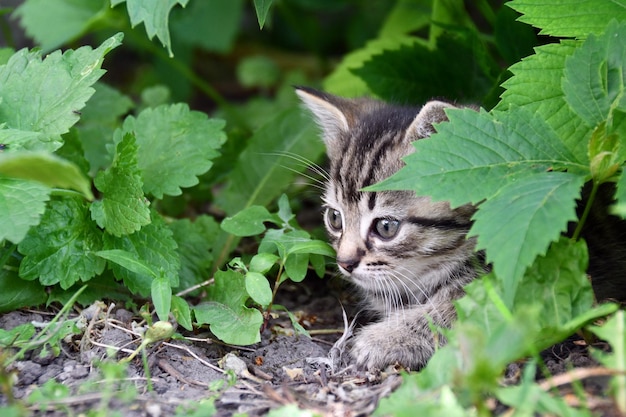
154	245
569	18
476	154
45	168
194	240
161	294
258	288
536	85
544	204
262	8
22	203
248	222
53	23
175	146
123	208
560	281
594	75
154	14
43	97
61	249
227	314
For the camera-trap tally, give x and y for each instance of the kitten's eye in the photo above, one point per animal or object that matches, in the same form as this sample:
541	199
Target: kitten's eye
334	219
386	228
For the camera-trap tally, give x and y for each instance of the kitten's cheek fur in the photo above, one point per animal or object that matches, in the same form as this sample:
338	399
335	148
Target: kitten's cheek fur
407	342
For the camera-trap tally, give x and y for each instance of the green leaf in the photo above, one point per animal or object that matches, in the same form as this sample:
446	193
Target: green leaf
57	88
227	315
296	266
53	23
476	154
594	75
194	240
175	146
400	75
344	82
544	204
123	208
212	25
317	247
61	249
161	293
45	168
262	8
17	336
99	119
284	209
154	245
258	288
182	312
559	280
248	222
22	203
262	262
569	18
263	170
536	85
154	14
128	260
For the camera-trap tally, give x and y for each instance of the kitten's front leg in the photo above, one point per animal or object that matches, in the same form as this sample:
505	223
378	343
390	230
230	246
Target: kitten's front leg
404	338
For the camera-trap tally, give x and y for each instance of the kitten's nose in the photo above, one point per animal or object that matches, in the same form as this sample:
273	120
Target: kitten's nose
348	264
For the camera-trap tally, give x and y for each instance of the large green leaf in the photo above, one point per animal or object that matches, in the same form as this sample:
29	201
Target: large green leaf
476	154
53	23
123	208
227	314
42	99
175	146
595	74
61	249
154	14
536	85
543	205
401	75
569	18
264	169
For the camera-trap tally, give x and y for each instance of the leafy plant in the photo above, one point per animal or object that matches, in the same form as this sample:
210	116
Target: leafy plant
558	127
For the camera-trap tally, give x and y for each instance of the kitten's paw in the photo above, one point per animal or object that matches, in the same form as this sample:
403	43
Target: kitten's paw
380	345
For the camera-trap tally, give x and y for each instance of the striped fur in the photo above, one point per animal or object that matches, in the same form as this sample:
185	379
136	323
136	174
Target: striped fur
408	255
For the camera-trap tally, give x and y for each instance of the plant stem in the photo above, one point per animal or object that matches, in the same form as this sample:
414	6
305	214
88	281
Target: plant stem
583	218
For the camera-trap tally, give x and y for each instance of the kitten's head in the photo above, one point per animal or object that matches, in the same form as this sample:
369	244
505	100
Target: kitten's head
391	243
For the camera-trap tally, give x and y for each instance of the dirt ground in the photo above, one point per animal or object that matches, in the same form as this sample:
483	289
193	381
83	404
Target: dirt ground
284	368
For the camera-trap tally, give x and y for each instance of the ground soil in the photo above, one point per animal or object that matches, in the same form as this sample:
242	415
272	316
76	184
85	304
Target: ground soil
284	368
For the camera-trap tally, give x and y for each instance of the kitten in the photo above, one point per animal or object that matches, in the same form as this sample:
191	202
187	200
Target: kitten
408	255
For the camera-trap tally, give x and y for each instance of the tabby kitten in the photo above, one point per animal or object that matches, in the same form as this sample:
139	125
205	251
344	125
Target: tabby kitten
408	255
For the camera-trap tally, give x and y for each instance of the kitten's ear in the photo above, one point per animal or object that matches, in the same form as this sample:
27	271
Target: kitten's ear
333	114
431	113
